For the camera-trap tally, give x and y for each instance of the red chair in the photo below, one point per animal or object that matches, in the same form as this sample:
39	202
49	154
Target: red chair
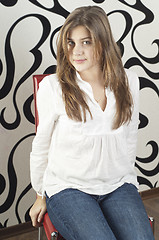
50	230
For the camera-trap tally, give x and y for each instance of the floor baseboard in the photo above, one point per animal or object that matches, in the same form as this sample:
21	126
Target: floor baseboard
149	193
16	230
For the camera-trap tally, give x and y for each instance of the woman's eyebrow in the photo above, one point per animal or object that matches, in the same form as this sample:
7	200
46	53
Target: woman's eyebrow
85	38
80	38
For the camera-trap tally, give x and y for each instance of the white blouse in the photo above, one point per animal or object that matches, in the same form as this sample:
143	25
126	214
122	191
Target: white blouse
88	156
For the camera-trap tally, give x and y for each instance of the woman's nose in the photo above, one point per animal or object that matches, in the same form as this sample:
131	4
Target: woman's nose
77	50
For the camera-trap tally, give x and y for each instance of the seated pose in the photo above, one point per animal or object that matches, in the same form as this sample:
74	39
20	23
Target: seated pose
83	155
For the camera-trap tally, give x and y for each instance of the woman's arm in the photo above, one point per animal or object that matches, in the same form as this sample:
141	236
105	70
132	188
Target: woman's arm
41	143
40	146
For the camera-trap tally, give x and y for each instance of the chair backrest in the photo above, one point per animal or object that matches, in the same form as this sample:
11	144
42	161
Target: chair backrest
50	230
36	80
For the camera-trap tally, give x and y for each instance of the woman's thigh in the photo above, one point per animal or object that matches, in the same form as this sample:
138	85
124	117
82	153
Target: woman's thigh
126	214
77	215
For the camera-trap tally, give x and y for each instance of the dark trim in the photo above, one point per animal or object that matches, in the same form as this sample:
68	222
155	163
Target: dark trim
16	230
151	193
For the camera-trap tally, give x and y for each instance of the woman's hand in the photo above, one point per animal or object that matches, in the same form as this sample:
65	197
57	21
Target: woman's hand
37	211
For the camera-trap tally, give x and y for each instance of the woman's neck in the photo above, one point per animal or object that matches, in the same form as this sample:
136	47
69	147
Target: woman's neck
93	78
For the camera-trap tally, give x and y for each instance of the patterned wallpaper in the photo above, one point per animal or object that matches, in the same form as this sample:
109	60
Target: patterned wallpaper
28	46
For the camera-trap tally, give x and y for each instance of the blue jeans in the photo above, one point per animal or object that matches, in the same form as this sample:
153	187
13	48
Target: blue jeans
119	215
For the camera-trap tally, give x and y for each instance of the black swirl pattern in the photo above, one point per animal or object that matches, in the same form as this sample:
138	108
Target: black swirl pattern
9	3
12	85
12	177
26	190
153	155
128	25
57	8
144	181
11	68
149	17
137	62
146	83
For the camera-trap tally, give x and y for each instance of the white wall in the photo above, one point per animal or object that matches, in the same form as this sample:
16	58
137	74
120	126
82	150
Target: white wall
23	53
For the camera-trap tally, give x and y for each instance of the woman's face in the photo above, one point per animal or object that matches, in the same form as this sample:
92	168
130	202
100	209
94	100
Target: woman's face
81	50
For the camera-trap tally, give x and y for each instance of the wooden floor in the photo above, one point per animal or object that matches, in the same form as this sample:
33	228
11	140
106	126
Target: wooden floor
150	200
26	236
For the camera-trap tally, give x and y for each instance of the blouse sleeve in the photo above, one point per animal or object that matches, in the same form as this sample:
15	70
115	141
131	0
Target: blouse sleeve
132	128
41	143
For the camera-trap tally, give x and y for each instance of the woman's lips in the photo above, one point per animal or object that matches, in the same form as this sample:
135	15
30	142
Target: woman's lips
79	61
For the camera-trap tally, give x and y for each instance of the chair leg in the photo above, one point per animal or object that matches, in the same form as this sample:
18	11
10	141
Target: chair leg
40	233
152	223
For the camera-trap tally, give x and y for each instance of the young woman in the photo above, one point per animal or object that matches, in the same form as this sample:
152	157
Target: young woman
82	159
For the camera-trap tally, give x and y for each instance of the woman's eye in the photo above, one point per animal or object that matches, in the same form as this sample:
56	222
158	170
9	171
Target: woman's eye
70	43
87	42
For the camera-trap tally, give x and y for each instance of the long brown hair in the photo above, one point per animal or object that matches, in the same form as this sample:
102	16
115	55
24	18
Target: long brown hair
95	20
